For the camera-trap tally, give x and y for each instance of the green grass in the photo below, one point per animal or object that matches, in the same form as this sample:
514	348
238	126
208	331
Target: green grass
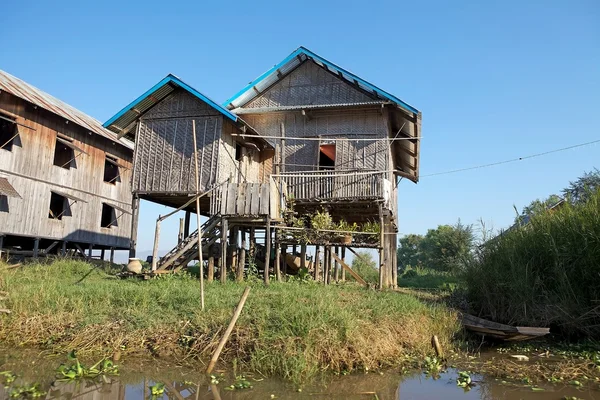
294	330
424	278
544	274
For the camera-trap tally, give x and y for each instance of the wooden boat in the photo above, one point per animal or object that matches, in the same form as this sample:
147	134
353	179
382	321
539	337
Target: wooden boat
496	330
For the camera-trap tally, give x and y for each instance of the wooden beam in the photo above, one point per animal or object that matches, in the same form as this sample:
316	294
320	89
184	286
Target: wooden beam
267	250
350	270
224	232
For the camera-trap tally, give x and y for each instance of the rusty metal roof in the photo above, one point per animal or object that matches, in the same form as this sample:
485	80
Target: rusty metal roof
27	92
6	189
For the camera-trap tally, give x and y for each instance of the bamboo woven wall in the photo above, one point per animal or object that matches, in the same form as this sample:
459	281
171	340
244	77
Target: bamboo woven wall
165	147
309	84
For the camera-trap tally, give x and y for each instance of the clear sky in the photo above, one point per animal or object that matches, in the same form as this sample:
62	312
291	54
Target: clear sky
494	80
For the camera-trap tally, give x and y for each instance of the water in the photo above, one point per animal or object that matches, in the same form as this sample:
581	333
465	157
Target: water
182	383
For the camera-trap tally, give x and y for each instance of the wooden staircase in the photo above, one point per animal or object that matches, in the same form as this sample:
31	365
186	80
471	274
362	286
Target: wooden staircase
182	254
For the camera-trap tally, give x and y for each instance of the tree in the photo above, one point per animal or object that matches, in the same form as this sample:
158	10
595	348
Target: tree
366	267
447	247
579	190
409	251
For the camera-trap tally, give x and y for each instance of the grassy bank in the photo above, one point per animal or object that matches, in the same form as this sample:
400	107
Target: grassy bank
293	330
546	273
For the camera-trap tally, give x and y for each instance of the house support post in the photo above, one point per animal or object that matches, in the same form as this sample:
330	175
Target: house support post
186	227
277	264
112	255
336	267
284	260
267	250
155	248
303	256
1	242
252	252
242	259
316	263
63	251
102	254
36	247
326	264
90	249
394	260
211	264
233	244
344	261
135	210
180	237
224	232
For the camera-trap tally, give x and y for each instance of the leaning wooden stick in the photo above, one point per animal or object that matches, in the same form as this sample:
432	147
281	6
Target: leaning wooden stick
236	314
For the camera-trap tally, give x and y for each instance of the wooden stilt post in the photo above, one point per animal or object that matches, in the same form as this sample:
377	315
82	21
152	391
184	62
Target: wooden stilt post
233	243
102	253
343	260
36	247
90	249
336	267
277	264
180	237
303	256
252	253
242	259
112	255
317	263
224	233
381	249
284	261
327	266
135	211
155	248
211	265
1	242
267	250
394	251
63	251
186	227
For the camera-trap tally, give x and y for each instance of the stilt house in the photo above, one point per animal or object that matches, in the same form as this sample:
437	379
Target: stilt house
305	136
64	179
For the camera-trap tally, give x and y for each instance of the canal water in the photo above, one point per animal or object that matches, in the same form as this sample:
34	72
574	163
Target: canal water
136	378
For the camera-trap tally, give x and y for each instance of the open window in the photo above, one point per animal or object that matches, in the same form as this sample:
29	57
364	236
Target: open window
6	191
8	133
60	204
109	216
65	152
111	170
327	156
238	152
59	207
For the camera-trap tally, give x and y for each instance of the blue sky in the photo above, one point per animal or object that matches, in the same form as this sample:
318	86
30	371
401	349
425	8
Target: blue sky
494	80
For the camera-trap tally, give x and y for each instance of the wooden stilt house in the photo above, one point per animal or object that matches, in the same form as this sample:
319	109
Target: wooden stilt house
344	143
64	179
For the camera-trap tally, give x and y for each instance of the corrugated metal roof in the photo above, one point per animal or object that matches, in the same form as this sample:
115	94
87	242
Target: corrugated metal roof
261	110
7	189
27	92
266	80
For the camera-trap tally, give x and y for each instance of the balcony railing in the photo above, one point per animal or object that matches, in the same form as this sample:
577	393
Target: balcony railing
334	186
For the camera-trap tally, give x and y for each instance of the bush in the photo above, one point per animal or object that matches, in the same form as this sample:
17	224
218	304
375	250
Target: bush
546	273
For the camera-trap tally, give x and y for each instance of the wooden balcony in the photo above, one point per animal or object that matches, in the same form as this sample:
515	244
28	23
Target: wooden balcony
332	186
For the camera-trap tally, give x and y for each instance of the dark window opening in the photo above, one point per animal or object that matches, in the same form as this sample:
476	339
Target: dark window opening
111	170
3	203
327	156
63	155
59	206
238	152
8	130
109	216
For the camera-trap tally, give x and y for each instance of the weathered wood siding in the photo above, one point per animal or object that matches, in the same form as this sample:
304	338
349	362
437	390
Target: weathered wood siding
29	168
309	84
165	151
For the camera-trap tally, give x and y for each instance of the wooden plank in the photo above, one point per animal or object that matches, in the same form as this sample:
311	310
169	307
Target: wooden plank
224	193
264	199
248	198
350	270
241	198
231	199
255	200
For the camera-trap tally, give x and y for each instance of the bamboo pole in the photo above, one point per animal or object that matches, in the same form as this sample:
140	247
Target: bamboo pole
236	315
200	260
381	254
277	258
267	250
242	259
224	229
316	263
343	261
211	265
